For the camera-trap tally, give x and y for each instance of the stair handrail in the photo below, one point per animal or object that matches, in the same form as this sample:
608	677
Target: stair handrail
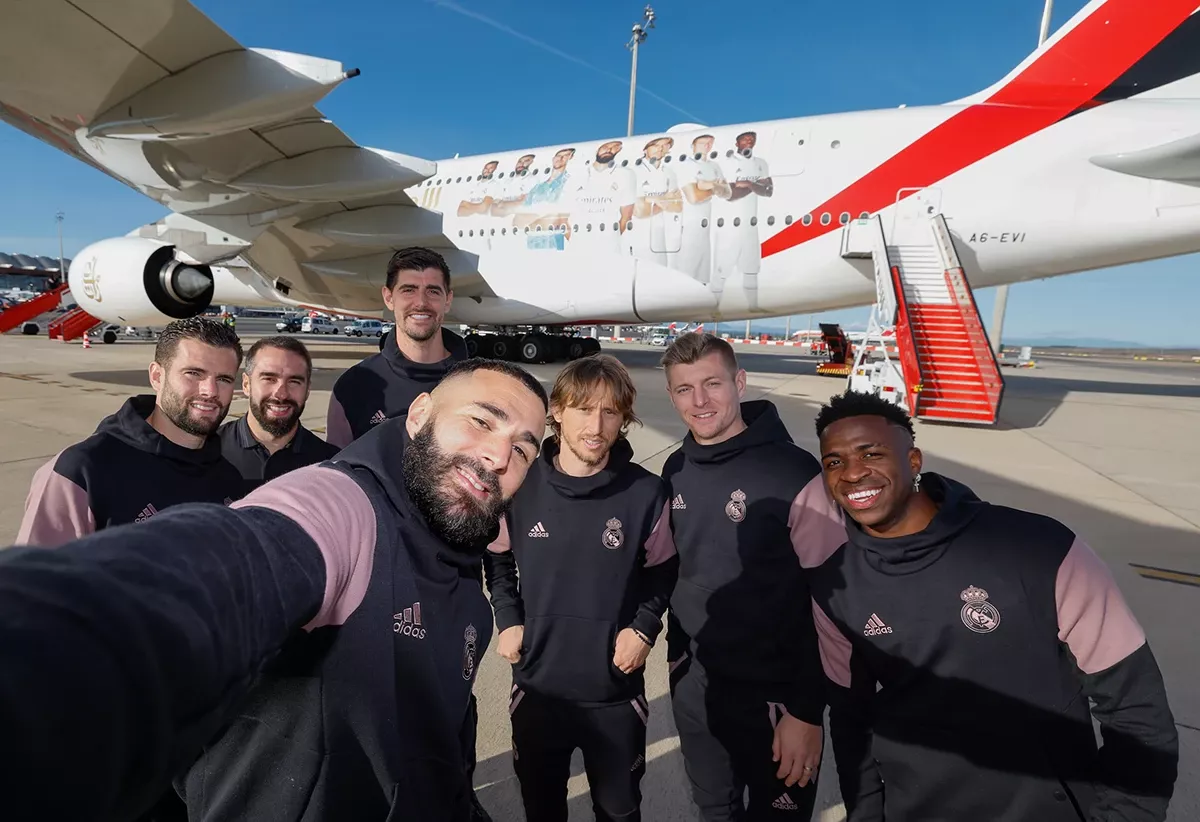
906	347
964	300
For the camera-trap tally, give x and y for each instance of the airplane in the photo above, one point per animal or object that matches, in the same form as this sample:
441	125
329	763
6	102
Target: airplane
1085	155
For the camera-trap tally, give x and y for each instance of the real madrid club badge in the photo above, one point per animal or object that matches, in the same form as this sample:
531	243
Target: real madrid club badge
735	509
612	535
470	636
978	614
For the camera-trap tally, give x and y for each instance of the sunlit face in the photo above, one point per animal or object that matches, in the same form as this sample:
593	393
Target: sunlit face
591	428
606	152
278	389
490	169
702	145
473	441
523	164
420	302
869	464
746	142
562	158
196	387
707	396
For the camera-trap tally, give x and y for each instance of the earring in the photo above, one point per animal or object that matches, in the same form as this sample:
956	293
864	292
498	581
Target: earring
917	483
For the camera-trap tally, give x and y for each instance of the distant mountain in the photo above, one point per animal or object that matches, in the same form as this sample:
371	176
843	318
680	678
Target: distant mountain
1076	342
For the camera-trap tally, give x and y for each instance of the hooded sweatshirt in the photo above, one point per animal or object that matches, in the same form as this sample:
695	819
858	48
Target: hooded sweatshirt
578	560
739	510
125	472
360	714
382	387
961	661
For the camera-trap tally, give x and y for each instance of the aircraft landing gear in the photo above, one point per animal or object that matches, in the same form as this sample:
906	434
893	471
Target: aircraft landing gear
531	347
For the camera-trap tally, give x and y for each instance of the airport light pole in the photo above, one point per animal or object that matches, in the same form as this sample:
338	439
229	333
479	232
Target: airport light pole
58	218
1002	291
640	32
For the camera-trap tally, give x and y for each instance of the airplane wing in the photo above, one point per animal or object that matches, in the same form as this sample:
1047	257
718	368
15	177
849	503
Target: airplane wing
156	95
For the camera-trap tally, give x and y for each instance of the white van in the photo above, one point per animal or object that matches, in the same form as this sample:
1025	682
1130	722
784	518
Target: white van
318	325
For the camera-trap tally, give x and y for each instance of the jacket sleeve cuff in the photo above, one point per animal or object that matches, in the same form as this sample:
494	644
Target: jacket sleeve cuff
647	624
809	709
509	616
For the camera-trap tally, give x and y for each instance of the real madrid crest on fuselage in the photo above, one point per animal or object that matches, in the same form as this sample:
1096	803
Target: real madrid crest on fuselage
735	509
613	536
978	614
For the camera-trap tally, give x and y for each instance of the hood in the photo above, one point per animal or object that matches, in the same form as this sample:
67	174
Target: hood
419	372
380	452
957	507
131	425
619	458
763	427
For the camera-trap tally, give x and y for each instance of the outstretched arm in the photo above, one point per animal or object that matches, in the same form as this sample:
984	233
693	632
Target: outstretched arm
125	651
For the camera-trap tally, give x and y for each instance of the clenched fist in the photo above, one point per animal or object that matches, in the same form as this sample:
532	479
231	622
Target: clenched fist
508	644
631	651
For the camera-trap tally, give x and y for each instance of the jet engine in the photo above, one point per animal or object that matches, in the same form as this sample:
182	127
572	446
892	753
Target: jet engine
136	281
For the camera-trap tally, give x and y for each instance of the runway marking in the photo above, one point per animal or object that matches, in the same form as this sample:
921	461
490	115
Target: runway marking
1166	575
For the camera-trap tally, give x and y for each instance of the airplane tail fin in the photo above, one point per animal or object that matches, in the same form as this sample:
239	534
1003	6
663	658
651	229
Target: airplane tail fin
1110	50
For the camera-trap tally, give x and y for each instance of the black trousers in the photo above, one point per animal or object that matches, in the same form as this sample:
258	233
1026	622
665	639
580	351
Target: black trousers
546	733
726	731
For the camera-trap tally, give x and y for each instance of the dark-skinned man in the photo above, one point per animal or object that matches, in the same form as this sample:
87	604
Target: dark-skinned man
580	578
746	680
314	644
963	642
270	440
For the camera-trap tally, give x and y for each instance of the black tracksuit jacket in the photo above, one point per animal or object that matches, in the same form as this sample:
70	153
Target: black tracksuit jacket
578	560
382	387
740	607
305	654
986	635
125	472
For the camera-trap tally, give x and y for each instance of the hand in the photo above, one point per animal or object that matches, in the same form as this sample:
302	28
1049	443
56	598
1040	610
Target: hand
631	651
508	644
797	746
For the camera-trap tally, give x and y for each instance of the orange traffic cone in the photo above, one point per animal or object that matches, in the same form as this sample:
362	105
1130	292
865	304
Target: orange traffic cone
87	340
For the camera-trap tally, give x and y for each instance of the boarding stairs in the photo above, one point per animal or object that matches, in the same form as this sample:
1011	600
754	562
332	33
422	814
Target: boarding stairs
944	369
21	313
72	325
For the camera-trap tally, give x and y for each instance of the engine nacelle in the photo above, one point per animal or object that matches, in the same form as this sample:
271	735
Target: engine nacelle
136	281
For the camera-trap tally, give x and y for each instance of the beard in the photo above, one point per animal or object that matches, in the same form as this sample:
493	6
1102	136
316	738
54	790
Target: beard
452	513
589	458
419	334
175	408
276	426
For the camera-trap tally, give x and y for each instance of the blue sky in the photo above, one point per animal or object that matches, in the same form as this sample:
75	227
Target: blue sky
431	87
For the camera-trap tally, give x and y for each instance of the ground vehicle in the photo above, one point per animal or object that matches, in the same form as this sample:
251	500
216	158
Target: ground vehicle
364	328
318	325
289	325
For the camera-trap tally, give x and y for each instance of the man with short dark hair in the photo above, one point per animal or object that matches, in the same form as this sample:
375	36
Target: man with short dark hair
304	654
746	680
580	577
270	440
963	643
415	355
156	451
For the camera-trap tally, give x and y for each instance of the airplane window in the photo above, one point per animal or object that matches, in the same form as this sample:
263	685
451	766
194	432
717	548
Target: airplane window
682	157
704	223
737	221
712	155
836	144
729	153
493	232
638	161
501	174
616	226
753	221
459	180
720	222
460	232
471	233
801	142
629	226
624	163
771	220
746	152
806	219
866	215
787	220
826	219
698	155
547	169
504	231
844	218
539	228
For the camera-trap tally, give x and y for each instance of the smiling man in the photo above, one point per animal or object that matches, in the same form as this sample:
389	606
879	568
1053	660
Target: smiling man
304	654
155	451
580	577
270	440
964	642
746	682
415	355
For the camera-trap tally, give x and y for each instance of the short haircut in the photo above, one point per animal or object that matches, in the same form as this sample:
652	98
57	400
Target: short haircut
464	367
283	343
581	378
416	258
209	332
695	346
860	404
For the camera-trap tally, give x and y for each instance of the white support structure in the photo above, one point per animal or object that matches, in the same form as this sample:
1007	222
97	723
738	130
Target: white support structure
875	371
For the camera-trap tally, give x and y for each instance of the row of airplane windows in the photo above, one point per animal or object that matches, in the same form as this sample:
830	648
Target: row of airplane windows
611	164
807	219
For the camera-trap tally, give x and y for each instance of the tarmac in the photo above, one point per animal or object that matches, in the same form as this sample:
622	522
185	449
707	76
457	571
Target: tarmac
1109	447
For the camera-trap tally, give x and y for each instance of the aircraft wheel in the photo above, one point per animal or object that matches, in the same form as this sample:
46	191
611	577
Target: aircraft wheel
534	348
575	348
501	348
109	337
471	341
591	346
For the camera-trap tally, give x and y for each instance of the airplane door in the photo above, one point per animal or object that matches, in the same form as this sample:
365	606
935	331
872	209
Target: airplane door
910	219
789	150
666	232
